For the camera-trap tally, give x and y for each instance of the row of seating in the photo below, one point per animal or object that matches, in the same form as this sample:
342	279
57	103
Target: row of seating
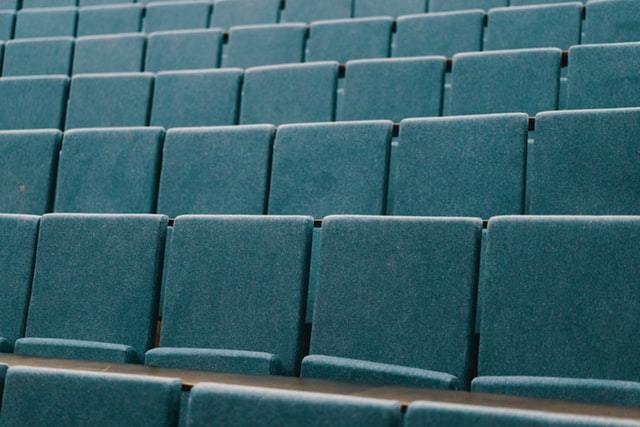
235	291
86	398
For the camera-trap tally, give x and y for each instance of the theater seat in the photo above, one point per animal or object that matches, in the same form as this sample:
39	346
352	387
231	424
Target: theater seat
26	4
393	8
8	4
221	170
110	19
68	397
230	13
38	56
118	53
177	15
46	22
312	10
381	277
612	21
107	2
446	5
218	404
183	50
95	287
123	177
7	21
548	328
234	294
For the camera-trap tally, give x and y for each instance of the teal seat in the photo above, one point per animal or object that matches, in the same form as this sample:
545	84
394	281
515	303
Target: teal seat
26	4
110	19
218	404
31	57
177	15
33	102
95	287
119	53
382	276
447	5
107	2
231	13
46	22
7	21
235	294
393	8
28	167
8	4
612	21
554	280
123	173
183	50
77	398
312	10
221	170
532	2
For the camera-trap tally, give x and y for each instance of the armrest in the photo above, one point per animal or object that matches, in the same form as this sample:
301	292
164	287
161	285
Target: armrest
74	349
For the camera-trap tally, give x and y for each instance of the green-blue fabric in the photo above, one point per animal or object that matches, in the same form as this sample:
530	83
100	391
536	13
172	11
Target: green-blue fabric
112	170
201	359
437	414
31	57
8	4
439	33
109	100
393	88
251	46
76	349
551	283
110	19
221	170
231	13
28	167
74	398
530	2
509	81
612	21
17	255
462	166
108	2
238	283
183	50
217	404
393	8
330	168
46	22
178	15
203	98
7	19
593	82
33	102
295	93
313	273
97	278
447	5
555	25
381	275
342	40
603	392
118	53
313	10
584	163
47	3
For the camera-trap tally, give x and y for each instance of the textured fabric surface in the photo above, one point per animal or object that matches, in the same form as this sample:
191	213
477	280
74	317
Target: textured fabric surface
346	39
453	415
555	25
74	349
585	163
47	22
38	56
177	15
33	102
196	98
74	398
388	7
17	254
612	21
109	54
330	168
393	88
551	283
183	50
604	76
222	170
313	273
462	166
97	278
7	20
439	33
108	2
232	361
230	13
217	404
617	393
380	276
296	93
26	4
313	10
109	170
445	5
109	100
532	2
110	19
250	46
511	81
28	166
238	283
360	371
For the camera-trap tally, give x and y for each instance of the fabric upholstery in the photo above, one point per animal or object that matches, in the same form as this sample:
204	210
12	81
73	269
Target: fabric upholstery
7	21
31	57
238	283
26	4
612	21
8	4
109	54
33	102
110	19
391	8
109	2
231	13
183	50
46	22
178	15
221	170
112	170
97	278
446	5
312	10
246	362
75	349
